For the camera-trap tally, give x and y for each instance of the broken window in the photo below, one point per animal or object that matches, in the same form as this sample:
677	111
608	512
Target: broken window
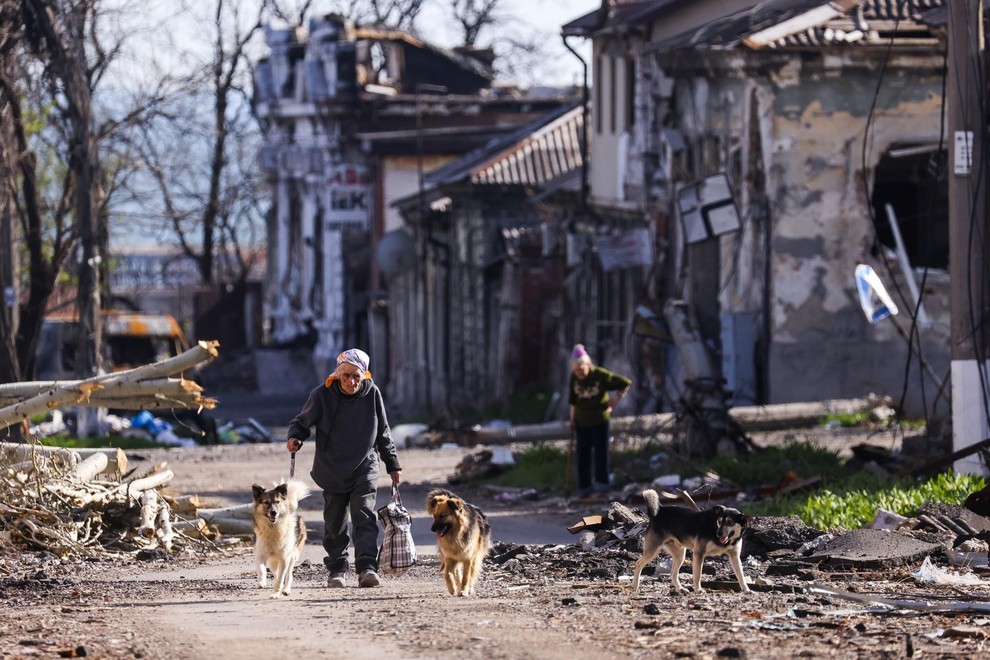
910	179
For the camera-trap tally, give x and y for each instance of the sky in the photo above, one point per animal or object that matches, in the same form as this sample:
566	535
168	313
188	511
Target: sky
546	16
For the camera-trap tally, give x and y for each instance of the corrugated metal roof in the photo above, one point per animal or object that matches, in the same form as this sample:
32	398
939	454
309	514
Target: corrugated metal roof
532	155
872	21
547	153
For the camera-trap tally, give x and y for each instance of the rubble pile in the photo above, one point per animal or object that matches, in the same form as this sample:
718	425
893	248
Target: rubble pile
774	547
560	562
83	503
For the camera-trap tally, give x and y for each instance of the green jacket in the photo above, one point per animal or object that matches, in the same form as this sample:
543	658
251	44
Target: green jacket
590	396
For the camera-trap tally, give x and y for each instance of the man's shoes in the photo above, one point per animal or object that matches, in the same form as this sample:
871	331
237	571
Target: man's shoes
369	579
336	581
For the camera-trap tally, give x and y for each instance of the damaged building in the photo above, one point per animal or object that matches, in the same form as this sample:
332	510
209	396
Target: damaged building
771	148
352	117
697	219
741	161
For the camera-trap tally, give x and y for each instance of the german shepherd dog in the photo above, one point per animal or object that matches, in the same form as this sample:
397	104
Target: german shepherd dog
463	539
279	533
716	531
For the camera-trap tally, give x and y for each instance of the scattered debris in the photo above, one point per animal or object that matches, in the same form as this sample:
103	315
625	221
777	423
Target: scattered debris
941	607
479	465
873	548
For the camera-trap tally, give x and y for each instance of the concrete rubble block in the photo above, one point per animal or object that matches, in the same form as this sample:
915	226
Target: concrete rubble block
874	549
765	534
962	515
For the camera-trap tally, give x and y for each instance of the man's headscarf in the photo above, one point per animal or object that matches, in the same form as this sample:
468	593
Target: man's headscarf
354	356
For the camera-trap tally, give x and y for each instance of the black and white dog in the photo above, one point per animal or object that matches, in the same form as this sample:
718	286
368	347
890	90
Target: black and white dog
716	531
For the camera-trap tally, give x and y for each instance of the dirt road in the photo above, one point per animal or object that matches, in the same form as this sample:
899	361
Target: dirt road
546	603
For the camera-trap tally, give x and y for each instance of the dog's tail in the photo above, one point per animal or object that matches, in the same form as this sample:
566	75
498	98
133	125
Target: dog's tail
652	502
296	490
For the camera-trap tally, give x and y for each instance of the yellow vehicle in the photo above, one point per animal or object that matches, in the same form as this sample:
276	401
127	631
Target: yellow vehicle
130	339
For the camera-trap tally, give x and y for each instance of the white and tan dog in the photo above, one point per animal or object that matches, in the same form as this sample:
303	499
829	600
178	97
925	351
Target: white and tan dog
279	533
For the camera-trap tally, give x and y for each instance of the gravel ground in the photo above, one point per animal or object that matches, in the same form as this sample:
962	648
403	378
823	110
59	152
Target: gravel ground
552	601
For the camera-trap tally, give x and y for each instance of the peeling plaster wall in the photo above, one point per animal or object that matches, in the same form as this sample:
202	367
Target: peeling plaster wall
790	136
823	346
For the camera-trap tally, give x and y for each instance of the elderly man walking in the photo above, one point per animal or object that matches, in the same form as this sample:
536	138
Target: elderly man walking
352	435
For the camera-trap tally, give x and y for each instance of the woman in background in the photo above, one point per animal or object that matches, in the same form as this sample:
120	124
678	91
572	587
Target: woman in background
591	410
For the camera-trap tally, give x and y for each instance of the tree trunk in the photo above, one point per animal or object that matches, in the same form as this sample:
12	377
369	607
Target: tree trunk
80	392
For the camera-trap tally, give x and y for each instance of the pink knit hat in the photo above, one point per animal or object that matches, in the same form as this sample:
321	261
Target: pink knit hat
579	353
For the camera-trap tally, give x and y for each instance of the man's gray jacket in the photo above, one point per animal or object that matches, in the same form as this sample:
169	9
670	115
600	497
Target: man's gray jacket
352	432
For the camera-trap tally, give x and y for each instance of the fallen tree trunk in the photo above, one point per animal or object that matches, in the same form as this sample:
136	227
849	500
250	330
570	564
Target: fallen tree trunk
239	511
81	392
11	393
795	415
750	418
17	453
232	526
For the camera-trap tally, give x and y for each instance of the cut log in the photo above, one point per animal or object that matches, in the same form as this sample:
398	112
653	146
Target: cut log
750	418
239	512
232	526
137	486
794	415
15	453
183	505
165	532
11	393
149	513
91	466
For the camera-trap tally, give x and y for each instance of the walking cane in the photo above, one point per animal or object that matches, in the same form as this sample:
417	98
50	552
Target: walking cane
569	474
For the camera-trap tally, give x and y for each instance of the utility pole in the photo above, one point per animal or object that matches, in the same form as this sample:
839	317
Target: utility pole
965	89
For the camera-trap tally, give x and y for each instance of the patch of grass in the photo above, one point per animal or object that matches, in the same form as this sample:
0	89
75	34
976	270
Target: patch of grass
117	441
847	420
769	465
853	501
912	424
846	501
541	466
